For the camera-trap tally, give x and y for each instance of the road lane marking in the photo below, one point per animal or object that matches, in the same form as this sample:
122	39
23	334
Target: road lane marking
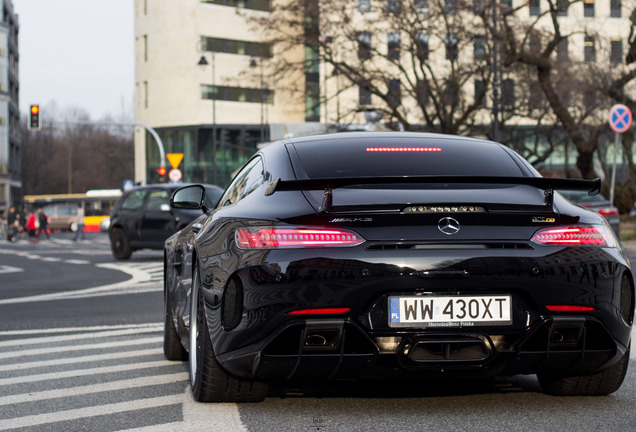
76	348
82	413
9	269
157	326
46	377
143	281
95	388
80	336
81	359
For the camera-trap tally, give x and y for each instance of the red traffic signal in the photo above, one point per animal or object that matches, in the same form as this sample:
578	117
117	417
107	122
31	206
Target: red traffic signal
34	118
161	171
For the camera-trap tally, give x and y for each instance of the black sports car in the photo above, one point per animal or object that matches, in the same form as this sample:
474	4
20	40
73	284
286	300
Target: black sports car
395	255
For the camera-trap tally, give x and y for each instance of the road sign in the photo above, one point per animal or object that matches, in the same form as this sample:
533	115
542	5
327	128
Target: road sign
175	175
128	184
175	159
620	118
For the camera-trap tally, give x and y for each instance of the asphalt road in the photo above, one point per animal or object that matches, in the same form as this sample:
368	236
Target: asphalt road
80	349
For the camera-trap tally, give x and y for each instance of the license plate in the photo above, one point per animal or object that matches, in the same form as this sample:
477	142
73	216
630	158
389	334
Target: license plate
449	311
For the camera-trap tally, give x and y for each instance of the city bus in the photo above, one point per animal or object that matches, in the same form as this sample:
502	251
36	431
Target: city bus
62	208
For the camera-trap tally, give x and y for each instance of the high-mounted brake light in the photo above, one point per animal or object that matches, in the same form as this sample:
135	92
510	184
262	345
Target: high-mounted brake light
569	308
575	236
274	237
403	149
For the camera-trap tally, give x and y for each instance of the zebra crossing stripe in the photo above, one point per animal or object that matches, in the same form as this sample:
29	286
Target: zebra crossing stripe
82	359
84	372
94	388
82	413
76	348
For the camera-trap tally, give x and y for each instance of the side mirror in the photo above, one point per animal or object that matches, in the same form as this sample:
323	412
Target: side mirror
189	197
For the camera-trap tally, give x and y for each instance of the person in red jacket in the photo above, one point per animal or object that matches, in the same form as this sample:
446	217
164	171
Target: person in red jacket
32	225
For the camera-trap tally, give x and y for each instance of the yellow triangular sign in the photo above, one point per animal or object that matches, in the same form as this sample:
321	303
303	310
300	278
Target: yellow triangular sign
175	159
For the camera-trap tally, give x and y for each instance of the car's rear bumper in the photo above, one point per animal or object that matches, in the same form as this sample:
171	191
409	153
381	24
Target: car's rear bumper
266	342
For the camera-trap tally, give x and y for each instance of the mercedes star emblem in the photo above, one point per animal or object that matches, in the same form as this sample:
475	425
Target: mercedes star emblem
448	226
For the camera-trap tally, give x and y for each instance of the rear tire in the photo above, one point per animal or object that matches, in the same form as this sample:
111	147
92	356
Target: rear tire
209	382
172	348
597	384
119	244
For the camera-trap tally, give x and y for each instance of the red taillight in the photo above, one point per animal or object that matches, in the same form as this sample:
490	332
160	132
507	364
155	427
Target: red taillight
569	308
608	211
320	311
274	237
575	236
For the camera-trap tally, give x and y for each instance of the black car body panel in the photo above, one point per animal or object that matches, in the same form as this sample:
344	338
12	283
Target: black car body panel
265	308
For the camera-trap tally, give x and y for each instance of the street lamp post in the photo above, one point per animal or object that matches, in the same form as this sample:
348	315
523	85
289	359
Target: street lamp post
495	73
262	89
204	62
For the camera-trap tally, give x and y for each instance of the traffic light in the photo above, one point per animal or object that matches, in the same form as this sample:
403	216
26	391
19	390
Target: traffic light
34	118
162	174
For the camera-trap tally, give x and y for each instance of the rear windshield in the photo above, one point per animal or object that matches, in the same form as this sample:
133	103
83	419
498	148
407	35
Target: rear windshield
373	157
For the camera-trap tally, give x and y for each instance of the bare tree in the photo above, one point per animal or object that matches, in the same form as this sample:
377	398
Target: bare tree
422	64
66	157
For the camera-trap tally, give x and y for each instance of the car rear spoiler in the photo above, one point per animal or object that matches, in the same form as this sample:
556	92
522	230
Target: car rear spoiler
547	184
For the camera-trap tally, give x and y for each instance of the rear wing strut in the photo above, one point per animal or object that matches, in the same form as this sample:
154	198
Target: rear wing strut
547	184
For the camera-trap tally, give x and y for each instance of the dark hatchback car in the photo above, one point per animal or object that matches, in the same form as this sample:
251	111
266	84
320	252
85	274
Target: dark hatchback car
395	256
143	219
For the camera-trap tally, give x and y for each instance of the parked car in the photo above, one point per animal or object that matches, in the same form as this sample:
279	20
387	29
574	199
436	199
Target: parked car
599	204
143	219
395	256
61	216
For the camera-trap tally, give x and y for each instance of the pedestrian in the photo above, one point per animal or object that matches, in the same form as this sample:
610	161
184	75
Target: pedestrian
80	222
12	224
44	222
32	225
22	217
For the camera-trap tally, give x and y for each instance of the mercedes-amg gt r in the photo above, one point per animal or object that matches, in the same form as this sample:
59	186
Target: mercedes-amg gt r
395	256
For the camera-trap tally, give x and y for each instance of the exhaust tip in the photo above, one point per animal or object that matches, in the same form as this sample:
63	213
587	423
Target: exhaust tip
315	340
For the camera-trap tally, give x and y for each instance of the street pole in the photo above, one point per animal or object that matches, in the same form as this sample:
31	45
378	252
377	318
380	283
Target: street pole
204	62
495	73
613	183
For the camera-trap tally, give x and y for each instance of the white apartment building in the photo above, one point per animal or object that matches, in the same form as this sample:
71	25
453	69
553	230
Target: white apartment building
203	73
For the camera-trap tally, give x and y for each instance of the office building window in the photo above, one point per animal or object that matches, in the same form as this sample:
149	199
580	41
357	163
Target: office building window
422	93
451	43
231	46
480	96
616	51
261	5
562	7
589	50
364	5
535	7
145	48
506	5
364	94
508	93
393	6
421	5
421	43
237	94
615	8
394	97
479	48
145	94
588	9
364	45
562	50
479	6
393	46
450	7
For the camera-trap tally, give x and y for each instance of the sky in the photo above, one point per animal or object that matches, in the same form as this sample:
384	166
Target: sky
77	54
